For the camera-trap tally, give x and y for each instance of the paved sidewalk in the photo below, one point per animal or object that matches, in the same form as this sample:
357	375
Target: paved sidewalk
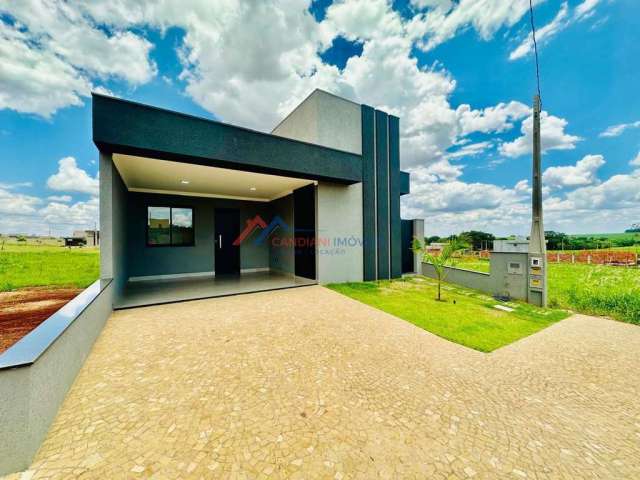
306	383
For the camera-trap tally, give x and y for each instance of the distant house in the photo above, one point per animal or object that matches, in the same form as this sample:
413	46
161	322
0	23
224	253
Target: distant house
80	238
435	248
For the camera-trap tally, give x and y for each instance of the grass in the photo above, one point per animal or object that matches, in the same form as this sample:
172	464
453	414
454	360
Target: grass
32	265
593	289
470	321
609	236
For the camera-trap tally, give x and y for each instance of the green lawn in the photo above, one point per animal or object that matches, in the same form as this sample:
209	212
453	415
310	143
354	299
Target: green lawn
471	320
593	289
47	265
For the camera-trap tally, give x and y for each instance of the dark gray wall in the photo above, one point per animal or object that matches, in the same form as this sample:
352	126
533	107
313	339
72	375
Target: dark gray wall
370	267
113	211
149	261
282	258
119	227
395	248
383	184
121	126
382	193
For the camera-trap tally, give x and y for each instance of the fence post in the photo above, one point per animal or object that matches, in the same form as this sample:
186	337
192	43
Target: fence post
573	258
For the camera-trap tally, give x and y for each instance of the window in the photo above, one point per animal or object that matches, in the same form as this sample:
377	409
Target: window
167	226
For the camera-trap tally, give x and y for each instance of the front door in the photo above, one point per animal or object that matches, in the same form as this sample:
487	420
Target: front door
227	229
304	221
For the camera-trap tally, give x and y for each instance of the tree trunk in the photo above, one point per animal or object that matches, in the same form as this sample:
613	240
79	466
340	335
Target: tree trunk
439	288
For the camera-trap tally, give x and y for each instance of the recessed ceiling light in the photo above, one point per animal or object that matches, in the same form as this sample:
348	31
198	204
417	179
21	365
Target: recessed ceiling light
184	182
253	189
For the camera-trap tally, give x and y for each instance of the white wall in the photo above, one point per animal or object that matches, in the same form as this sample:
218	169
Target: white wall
339	233
327	120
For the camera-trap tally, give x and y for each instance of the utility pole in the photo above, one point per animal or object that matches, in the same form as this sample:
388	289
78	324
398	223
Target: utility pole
537	291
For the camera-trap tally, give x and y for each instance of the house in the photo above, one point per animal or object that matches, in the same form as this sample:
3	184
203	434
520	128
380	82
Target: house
90	238
195	208
192	207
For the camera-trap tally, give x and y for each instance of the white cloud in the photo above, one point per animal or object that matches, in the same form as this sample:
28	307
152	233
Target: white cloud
617	130
491	119
584	205
584	172
635	162
552	133
51	53
470	150
71	178
440	4
619	191
12	203
55	214
250	63
543	34
458	196
485	16
586	9
59	198
561	21
363	19
77	214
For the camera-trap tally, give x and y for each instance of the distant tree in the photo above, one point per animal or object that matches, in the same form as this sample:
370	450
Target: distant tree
441	260
556	240
478	240
635	228
22	239
433	239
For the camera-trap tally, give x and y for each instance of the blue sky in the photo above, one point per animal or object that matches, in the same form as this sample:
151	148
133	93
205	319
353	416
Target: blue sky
458	74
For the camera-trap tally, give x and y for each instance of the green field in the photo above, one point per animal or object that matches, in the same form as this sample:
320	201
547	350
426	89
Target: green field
592	289
609	236
465	316
31	265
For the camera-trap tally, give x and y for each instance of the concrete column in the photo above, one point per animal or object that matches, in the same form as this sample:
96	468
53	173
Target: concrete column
418	232
106	215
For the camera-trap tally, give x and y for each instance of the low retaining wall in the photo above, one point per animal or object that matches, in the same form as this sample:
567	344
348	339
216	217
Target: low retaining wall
501	279
467	278
37	372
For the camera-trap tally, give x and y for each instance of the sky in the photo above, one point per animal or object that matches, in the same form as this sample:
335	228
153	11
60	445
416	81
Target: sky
459	74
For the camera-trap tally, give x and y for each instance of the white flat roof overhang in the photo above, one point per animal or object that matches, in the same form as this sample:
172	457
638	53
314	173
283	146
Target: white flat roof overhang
151	175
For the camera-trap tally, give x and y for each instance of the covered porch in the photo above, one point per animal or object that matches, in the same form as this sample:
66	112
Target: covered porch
157	292
192	231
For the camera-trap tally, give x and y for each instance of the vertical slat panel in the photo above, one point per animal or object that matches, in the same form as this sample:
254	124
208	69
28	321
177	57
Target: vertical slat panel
382	193
368	193
394	197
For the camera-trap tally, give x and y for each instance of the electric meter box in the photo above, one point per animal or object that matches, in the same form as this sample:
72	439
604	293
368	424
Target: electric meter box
514	268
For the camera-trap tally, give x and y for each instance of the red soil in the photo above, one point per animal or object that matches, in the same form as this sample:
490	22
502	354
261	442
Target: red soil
23	310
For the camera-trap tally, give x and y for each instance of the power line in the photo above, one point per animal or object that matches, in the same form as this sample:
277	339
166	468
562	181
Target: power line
535	48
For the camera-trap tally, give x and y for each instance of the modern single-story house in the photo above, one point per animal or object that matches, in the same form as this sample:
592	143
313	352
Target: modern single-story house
192	207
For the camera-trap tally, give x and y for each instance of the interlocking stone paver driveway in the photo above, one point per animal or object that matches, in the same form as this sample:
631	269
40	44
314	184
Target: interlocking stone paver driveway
306	383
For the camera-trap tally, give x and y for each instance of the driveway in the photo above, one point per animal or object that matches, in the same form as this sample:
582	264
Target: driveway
306	383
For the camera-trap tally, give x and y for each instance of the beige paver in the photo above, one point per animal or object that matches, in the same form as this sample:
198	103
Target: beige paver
306	383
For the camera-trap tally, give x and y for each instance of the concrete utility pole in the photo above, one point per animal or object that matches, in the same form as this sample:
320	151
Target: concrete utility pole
537	291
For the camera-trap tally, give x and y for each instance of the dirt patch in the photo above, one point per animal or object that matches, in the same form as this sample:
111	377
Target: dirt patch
23	310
